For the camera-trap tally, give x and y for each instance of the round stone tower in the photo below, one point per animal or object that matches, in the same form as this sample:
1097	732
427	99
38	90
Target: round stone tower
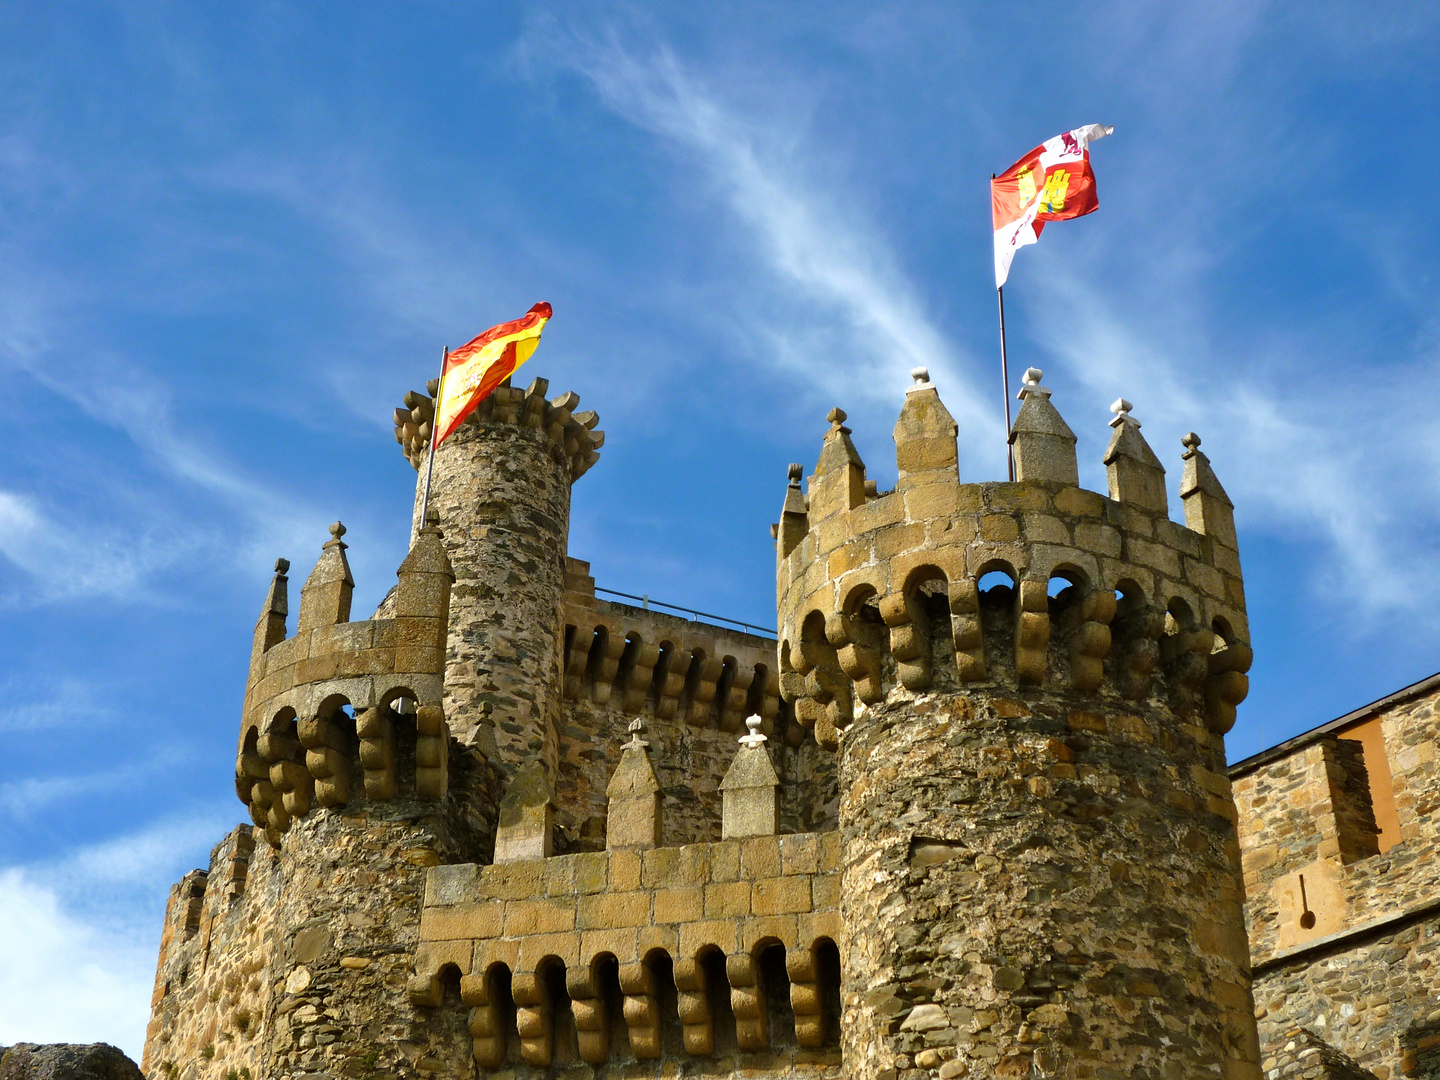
1041	872
501	488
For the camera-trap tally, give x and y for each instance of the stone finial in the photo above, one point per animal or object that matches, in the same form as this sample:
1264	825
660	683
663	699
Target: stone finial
795	472
270	627
1208	509
925	448
921	375
838	482
1031	384
754	738
325	596
527	817
1044	444
636	729
636	804
749	793
1135	473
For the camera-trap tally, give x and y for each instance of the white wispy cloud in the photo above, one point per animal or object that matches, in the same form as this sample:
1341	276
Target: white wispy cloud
847	322
80	934
65	979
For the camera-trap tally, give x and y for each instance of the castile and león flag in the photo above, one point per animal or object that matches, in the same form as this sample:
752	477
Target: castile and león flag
1053	182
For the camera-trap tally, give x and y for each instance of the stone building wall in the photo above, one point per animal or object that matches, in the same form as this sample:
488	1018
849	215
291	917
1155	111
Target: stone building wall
501	489
1345	928
693	684
717	959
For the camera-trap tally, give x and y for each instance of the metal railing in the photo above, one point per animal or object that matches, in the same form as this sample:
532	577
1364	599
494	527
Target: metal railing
696	616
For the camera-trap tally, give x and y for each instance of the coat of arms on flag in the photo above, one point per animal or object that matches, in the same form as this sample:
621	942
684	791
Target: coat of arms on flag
1051	183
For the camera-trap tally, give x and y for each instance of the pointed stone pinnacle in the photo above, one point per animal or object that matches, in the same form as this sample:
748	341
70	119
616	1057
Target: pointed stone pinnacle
754	739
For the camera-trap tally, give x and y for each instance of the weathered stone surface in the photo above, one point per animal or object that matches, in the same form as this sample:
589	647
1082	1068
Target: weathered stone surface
66	1061
1006	811
1031	816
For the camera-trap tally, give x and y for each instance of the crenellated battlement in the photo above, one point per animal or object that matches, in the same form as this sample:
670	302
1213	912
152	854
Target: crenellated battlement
1103	594
640	660
573	433
327	705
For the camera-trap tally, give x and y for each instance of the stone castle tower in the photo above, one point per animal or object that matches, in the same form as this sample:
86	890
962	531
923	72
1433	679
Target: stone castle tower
1040	870
937	828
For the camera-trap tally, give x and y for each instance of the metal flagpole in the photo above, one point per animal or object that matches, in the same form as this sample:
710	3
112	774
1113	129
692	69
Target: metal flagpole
435	430
1005	379
1004	365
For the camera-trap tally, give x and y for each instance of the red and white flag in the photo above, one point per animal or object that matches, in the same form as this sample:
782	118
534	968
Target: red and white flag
1051	183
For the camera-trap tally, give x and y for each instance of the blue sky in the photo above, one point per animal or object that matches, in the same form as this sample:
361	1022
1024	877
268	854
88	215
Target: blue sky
231	237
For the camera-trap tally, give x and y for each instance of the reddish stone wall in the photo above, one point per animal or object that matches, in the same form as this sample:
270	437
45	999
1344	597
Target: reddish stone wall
1354	956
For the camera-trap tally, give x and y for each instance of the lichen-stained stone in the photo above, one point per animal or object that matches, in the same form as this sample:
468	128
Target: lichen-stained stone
527	815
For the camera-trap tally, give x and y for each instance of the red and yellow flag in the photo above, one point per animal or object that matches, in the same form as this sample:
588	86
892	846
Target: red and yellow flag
475	369
1053	182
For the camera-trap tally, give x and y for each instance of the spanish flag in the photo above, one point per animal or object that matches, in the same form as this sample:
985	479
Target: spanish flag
474	370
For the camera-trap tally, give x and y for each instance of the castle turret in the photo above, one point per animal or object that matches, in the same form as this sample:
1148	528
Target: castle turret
501	487
1040	873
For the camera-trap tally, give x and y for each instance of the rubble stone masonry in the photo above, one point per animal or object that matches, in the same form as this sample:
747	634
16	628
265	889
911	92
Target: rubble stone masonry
1040	874
1343	912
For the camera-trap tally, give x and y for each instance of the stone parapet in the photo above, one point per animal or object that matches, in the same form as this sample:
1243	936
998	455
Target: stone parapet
571	433
856	592
652	923
327	711
673	668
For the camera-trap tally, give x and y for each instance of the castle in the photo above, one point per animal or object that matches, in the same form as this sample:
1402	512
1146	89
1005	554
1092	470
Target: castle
967	815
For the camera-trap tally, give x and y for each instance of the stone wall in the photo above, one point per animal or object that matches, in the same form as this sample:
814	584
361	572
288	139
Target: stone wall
299	966
1345	937
693	684
719	956
501	488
